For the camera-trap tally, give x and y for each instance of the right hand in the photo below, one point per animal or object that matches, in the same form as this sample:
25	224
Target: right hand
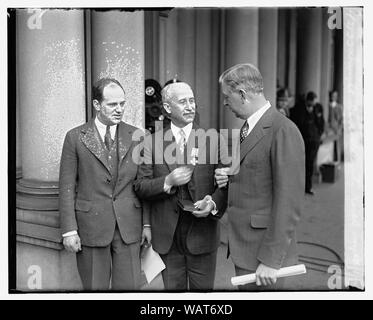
221	177
179	176
72	243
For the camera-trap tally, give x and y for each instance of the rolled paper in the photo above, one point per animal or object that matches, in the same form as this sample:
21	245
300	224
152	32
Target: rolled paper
281	273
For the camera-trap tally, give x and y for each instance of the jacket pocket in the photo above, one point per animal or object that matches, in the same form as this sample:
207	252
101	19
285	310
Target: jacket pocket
259	221
82	205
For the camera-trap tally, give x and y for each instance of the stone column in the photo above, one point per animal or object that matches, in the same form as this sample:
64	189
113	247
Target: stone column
172	69
268	52
187	46
118	52
354	147
50	101
282	47
309	50
292	71
241	46
327	64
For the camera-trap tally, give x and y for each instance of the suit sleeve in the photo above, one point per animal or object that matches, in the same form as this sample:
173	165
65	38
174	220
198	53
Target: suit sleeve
146	186
67	185
288	174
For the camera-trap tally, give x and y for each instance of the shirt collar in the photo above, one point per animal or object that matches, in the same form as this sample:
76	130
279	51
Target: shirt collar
102	129
176	131
254	118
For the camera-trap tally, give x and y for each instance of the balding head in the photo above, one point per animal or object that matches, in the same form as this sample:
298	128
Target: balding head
170	90
178	101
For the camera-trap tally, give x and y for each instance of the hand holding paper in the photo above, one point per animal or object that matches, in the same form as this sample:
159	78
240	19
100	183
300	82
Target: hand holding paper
204	207
151	263
283	272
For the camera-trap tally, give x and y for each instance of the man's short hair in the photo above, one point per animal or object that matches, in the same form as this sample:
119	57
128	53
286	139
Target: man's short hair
243	76
311	96
100	85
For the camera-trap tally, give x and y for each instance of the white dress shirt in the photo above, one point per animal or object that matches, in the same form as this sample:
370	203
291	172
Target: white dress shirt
254	118
176	133
102	131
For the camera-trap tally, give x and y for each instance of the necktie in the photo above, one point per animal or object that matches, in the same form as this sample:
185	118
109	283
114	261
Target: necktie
108	140
182	141
244	132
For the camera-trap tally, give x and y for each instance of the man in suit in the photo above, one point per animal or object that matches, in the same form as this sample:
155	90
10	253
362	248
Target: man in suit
101	217
265	197
186	241
311	123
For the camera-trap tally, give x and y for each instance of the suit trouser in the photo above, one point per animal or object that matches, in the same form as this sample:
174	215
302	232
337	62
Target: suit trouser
311	148
181	268
118	262
279	285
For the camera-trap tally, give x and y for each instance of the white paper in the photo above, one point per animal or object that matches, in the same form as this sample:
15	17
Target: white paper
283	272
151	263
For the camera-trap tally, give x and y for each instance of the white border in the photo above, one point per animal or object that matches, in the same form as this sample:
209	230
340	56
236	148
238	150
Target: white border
368	98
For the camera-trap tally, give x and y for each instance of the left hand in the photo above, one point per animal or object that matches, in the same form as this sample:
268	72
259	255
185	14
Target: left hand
204	208
265	275
146	237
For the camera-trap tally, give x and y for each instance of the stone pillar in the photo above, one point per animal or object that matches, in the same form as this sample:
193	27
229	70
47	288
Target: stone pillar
268	52
241	46
151	44
118	52
292	70
282	47
326	65
50	101
354	147
171	48
309	50
206	89
187	46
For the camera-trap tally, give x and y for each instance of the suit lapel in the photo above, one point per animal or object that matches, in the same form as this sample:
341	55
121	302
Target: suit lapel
124	136
192	183
90	138
167	145
257	133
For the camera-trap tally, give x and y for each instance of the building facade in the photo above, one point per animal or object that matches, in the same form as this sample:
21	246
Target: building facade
60	53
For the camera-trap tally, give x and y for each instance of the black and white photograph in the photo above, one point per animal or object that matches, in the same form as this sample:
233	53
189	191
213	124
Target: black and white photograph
186	149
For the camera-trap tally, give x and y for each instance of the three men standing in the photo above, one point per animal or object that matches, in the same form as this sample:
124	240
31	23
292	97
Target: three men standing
101	217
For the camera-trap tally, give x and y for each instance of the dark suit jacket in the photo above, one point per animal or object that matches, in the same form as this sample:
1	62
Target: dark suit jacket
311	125
265	198
87	201
204	233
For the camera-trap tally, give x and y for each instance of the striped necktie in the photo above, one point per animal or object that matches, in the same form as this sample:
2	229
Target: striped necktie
182	141
244	132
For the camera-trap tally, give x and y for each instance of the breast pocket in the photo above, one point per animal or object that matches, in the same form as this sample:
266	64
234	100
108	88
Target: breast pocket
259	221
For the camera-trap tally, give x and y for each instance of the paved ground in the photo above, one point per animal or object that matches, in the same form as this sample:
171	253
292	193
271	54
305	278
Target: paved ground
320	236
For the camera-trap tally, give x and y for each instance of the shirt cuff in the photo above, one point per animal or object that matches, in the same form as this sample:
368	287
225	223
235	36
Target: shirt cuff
70	233
213	211
167	188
